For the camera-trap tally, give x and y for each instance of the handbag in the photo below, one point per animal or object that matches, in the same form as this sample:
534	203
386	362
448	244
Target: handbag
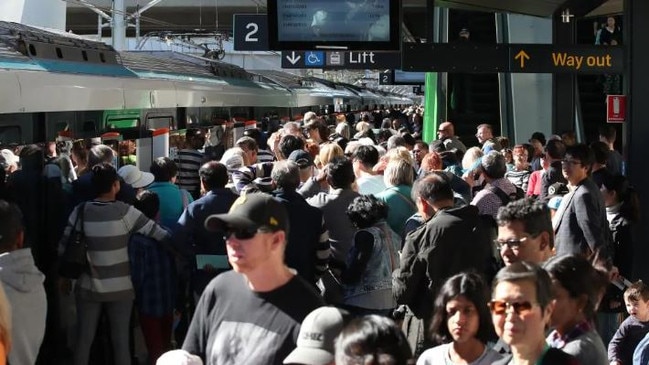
74	260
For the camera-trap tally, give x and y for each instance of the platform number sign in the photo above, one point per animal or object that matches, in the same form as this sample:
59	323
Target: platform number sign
386	78
250	32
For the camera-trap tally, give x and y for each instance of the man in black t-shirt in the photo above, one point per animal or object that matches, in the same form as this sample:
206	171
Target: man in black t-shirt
251	315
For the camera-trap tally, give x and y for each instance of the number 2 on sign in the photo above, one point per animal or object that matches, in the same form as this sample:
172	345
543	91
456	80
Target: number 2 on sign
254	28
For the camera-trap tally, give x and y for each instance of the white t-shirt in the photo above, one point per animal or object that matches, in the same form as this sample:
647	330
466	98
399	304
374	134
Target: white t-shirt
370	185
440	356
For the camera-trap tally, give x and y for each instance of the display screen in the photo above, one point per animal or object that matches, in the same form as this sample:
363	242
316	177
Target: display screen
409	78
348	24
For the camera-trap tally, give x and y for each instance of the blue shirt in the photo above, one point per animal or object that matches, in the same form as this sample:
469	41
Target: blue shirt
641	353
172	202
192	238
153	275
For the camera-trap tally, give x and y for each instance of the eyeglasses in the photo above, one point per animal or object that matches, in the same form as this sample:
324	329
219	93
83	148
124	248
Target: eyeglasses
514	244
570	162
500	307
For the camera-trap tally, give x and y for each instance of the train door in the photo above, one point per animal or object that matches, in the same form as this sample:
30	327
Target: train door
121	129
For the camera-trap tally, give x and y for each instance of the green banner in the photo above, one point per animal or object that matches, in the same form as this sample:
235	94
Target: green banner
430	108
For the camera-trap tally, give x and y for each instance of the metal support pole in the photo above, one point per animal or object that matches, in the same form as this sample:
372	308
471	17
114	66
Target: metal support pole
137	29
119	26
431	111
100	23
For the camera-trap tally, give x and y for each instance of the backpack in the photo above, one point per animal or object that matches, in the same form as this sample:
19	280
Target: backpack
504	197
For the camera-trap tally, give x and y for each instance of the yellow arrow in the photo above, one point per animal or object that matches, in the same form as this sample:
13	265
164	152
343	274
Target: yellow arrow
522	55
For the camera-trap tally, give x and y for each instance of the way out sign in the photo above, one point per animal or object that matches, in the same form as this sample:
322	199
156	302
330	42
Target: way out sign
615	108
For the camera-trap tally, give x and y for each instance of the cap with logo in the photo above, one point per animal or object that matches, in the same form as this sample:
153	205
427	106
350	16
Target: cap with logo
302	158
251	212
315	343
556	192
558	189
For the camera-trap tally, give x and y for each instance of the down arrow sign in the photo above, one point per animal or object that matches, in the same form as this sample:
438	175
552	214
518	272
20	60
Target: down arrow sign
293	59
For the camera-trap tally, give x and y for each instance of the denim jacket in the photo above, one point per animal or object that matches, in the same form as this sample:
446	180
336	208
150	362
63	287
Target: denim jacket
384	260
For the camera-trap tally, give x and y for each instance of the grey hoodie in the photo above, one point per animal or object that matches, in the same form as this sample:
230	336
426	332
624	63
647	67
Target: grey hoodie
23	284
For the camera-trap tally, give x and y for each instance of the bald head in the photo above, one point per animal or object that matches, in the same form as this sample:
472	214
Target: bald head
446	130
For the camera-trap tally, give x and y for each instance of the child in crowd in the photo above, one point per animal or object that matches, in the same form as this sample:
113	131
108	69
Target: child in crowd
154	280
634	328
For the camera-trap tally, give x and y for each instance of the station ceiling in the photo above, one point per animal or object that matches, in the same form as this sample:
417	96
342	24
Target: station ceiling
187	15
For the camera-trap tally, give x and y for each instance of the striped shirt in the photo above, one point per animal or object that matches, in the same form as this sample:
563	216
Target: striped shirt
107	228
189	161
265	156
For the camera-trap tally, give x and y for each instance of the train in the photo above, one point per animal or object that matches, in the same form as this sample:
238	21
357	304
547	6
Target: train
53	82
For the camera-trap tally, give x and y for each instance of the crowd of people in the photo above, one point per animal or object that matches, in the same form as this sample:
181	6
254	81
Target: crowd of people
314	244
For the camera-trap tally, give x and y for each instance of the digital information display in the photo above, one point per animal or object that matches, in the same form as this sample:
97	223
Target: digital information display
409	78
333	21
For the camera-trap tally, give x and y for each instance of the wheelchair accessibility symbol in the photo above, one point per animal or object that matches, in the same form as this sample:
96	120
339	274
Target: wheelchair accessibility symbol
314	58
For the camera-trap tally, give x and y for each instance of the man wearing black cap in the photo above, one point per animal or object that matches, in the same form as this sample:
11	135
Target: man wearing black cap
251	315
305	162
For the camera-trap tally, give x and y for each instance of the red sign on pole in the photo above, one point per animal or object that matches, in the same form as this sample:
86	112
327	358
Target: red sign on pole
615	108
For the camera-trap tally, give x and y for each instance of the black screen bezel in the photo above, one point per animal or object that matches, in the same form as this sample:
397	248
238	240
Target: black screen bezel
394	44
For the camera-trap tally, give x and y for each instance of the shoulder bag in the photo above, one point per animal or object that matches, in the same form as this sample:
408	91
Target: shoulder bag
74	260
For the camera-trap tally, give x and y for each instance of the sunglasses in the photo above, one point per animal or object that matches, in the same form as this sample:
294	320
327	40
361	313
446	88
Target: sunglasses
240	233
500	307
244	233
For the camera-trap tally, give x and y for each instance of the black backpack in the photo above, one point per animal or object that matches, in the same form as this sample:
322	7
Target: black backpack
504	197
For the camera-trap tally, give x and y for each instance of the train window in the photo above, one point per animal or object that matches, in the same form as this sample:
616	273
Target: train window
59	53
10	134
102	58
84	54
119	123
32	50
159	122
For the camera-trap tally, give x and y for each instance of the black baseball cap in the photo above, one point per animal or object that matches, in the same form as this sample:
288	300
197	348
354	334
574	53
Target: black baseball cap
302	158
251	212
558	189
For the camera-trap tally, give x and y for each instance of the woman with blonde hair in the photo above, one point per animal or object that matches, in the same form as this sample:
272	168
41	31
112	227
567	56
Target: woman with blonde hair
398	176
318	183
327	153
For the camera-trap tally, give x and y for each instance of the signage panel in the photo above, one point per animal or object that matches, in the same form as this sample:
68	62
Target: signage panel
550	58
386	78
359	60
615	108
454	57
524	58
250	32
